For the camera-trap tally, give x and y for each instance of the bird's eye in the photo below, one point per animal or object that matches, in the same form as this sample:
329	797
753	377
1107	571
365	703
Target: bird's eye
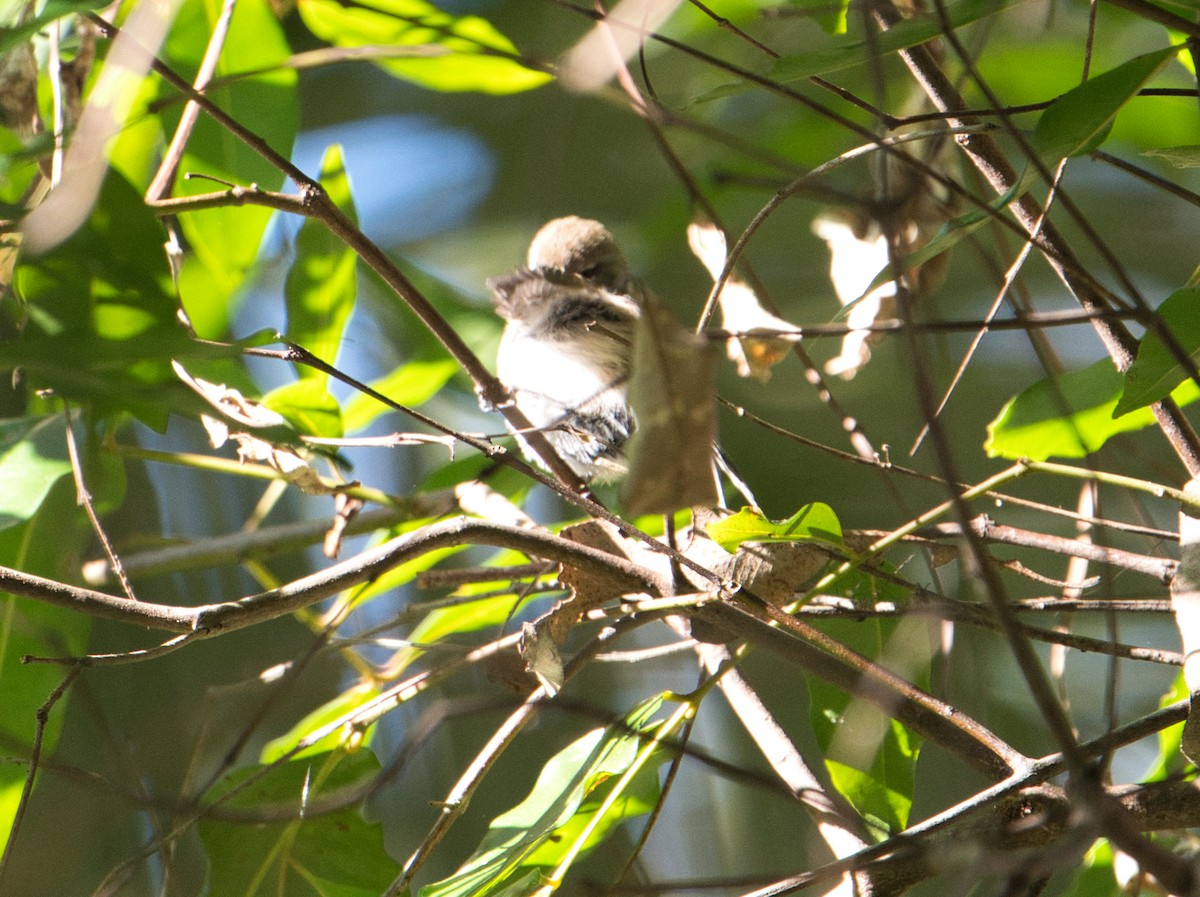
590	271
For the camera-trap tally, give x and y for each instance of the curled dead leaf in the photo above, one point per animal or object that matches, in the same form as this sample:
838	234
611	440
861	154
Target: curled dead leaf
345	509
671	391
478	498
233	406
774	572
229	402
540	653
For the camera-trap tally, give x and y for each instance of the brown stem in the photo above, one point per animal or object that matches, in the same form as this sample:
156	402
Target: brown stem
1162	569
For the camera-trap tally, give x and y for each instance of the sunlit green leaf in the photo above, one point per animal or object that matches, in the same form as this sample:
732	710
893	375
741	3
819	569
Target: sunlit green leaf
33	457
347	702
320	288
458	52
50	543
227	239
1069	416
101	312
864	588
410	384
883	793
815	521
571	785
136	149
308	407
1155	372
1170	760
465	617
1077	120
13	33
855	51
18	167
1184	56
405	573
1095	876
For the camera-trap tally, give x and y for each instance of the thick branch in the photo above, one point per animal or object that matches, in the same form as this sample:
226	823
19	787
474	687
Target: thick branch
228	616
1162	569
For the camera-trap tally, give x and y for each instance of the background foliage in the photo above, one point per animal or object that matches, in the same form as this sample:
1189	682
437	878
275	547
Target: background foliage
324	744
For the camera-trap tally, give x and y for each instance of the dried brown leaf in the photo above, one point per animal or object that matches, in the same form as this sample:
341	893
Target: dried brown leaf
540	653
672	395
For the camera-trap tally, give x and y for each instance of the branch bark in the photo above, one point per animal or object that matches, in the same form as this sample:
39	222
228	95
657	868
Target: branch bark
228	616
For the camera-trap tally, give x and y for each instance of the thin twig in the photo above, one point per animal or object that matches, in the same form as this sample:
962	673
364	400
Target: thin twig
84	497
35	756
164	179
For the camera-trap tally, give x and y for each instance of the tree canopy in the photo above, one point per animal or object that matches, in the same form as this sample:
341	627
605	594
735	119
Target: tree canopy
288	609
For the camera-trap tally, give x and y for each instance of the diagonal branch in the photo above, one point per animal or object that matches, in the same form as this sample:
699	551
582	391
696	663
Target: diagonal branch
228	616
800	643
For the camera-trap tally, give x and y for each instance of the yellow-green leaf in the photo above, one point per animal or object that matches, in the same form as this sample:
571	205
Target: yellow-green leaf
813	522
450	53
1069	416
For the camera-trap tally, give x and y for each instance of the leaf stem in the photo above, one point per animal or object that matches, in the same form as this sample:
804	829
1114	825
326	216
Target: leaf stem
1189	502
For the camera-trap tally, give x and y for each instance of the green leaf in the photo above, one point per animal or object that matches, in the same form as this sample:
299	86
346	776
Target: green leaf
1170	760
101	314
307	406
320	288
1077	121
830	16
1155	372
337	854
226	239
864	588
33	457
813	522
437	623
510	483
52	11
109	279
49	544
1069	416
458	619
909	33
1184	56
347	702
411	384
450	53
870	757
136	149
571	786
18	167
1096	876
883	792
